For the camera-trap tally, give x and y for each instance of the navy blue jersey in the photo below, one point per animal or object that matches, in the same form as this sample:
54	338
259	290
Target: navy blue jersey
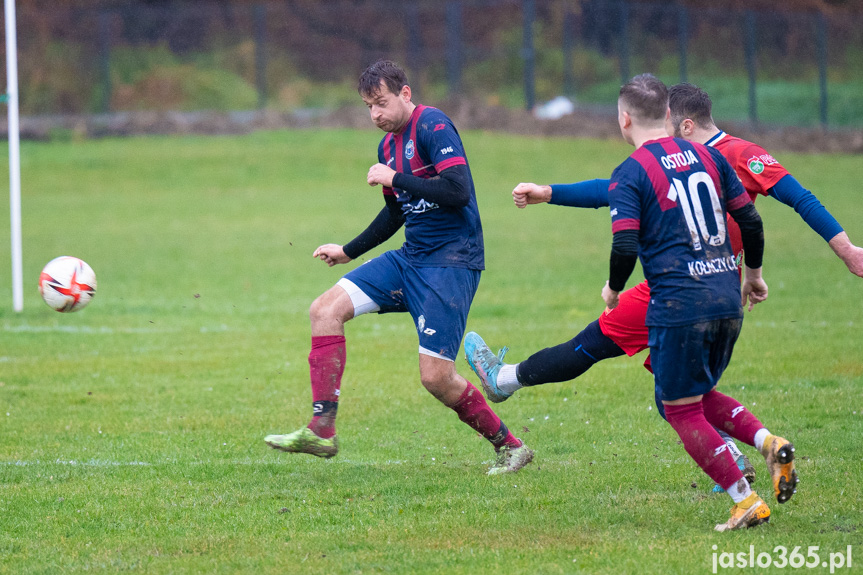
435	236
676	194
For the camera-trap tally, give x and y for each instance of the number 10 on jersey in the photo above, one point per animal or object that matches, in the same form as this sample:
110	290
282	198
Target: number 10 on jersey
690	202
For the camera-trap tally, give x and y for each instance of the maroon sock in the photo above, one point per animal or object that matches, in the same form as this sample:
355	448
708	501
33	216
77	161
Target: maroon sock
726	413
702	443
472	409
326	366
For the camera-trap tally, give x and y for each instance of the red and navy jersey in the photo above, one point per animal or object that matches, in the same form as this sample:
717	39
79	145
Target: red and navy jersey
758	172
435	236
676	194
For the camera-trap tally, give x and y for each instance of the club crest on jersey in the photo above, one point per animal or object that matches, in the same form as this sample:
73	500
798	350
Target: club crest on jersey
756	166
410	149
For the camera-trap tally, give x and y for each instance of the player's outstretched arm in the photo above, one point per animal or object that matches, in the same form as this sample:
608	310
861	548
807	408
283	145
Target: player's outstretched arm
849	253
332	254
754	288
789	191
586	194
527	193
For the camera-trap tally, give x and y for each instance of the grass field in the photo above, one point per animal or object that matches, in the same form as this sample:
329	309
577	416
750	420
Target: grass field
131	432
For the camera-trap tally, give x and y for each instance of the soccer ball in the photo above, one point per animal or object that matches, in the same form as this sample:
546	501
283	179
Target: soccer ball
67	284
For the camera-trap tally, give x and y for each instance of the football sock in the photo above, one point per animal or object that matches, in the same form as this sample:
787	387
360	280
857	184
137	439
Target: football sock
725	437
729	441
727	414
473	409
703	444
507	380
739	490
568	360
760	436
326	366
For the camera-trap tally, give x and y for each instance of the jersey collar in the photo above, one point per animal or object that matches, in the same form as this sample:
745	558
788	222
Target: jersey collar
712	141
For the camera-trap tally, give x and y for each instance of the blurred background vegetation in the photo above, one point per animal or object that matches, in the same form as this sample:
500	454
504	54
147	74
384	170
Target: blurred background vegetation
788	62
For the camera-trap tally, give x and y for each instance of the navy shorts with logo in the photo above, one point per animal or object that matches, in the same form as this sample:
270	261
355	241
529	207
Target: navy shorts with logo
438	299
689	360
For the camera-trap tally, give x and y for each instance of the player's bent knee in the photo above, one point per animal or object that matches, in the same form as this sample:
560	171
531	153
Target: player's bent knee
440	378
319	309
332	305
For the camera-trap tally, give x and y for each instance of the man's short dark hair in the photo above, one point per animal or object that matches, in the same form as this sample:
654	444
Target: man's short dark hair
392	75
645	97
689	101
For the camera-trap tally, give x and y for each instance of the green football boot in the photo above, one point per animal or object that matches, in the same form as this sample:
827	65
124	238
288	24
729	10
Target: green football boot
304	440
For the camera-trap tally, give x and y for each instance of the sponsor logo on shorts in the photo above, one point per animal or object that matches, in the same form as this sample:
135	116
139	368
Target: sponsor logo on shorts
421	326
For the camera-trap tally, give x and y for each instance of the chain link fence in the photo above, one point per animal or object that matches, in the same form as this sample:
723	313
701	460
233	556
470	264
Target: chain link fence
776	68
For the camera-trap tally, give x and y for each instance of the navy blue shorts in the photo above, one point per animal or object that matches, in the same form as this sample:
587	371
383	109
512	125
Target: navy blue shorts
689	360
438	299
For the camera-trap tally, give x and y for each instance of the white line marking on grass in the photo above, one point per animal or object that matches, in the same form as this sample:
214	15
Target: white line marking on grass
338	461
26	328
109	463
72	462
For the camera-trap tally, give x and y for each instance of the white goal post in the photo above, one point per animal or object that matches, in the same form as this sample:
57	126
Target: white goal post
14	156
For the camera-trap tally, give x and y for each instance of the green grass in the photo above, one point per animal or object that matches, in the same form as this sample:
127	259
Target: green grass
131	432
778	103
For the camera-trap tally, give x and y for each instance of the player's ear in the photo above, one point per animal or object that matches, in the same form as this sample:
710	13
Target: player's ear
406	93
687	127
627	119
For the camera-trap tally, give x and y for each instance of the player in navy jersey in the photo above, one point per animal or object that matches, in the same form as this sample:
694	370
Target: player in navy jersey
668	204
427	188
622	331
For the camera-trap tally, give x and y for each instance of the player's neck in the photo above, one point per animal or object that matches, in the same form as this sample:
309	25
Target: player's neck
642	135
704	135
410	113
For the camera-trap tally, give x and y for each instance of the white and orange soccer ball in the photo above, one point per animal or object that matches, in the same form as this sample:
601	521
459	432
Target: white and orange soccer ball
67	284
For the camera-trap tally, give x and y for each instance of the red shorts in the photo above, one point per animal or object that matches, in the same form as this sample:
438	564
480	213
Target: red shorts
624	325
